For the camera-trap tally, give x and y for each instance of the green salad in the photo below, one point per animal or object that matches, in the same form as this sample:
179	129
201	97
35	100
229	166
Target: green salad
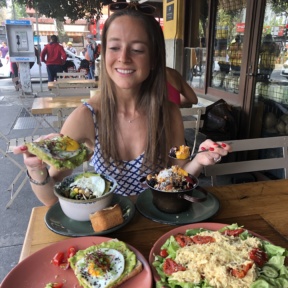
230	257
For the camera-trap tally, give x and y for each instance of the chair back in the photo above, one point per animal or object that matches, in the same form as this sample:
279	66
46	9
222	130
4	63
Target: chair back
62	114
192	120
280	162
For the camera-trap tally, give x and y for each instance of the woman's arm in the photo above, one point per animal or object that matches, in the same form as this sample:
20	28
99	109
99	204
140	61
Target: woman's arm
80	127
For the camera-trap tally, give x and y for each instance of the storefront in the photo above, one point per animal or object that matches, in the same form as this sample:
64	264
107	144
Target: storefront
235	50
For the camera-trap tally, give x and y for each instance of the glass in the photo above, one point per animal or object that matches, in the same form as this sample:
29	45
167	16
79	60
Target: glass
228	45
144	8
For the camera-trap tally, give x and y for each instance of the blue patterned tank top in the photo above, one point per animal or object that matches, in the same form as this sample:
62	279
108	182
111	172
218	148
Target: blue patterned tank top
127	175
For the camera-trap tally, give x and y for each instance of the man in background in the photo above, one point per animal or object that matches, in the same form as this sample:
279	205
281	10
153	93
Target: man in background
71	48
90	54
55	57
3	50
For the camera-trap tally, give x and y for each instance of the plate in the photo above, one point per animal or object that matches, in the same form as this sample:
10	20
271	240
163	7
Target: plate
36	270
196	213
59	223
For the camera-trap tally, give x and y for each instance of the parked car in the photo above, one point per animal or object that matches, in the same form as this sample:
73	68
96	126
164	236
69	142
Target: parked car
72	59
284	71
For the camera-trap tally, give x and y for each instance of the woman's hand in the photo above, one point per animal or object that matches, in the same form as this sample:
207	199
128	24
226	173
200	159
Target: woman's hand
215	151
31	161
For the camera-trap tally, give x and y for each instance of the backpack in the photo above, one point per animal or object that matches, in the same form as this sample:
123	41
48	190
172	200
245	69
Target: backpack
84	64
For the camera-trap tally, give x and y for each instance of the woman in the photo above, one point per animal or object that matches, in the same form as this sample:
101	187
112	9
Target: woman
135	125
179	91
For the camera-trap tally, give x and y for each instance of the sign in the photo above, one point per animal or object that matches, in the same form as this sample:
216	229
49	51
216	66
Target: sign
170	12
18	22
240	27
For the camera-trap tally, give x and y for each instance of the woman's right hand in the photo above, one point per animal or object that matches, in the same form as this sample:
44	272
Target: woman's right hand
31	161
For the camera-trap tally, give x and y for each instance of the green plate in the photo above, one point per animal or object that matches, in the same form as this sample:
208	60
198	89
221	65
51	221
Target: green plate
59	223
197	212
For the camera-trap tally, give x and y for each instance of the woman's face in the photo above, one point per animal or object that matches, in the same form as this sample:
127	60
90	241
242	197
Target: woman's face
127	52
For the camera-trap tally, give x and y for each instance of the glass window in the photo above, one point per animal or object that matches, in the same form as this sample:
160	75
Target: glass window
228	45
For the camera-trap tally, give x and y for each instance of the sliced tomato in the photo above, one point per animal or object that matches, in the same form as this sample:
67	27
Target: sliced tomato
163	253
54	285
58	258
71	251
65	265
234	233
170	266
183	240
202	239
258	256
241	273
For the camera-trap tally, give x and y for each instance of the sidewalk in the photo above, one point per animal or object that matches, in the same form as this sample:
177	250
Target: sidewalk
14	220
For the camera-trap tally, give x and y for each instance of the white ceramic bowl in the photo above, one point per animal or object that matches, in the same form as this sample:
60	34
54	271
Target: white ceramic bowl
81	209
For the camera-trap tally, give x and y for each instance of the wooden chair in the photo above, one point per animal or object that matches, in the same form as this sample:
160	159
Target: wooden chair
62	114
192	120
20	178
280	162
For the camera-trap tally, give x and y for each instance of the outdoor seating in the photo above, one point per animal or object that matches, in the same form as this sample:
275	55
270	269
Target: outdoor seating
230	168
192	124
20	178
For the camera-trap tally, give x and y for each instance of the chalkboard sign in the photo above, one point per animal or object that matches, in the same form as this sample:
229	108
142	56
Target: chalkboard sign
170	12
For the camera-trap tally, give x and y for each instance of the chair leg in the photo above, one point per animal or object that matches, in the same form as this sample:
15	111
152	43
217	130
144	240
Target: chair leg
16	193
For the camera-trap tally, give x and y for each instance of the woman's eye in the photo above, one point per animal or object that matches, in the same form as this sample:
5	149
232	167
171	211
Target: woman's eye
113	48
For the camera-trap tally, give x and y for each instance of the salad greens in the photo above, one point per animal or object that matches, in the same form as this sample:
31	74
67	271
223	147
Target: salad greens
274	273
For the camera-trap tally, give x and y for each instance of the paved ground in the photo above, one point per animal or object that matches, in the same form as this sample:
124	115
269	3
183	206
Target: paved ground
15	219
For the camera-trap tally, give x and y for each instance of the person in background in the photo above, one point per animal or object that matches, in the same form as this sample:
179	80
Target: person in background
71	48
3	49
130	125
179	90
55	57
90	54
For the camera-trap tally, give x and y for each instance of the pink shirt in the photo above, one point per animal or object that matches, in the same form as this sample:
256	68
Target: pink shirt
173	94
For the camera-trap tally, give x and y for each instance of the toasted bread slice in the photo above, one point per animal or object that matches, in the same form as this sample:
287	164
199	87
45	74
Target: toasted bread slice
66	159
138	268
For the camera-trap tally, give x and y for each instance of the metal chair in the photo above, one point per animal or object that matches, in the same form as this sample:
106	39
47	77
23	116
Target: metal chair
20	178
271	163
192	120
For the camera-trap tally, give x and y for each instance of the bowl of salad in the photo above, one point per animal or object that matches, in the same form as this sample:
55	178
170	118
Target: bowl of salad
82	194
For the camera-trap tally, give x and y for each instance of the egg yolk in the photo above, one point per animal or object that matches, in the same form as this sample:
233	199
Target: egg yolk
70	144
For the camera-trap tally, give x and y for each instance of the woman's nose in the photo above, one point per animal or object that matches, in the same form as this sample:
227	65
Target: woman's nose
124	56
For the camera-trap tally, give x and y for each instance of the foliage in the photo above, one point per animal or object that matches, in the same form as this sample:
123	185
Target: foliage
2	3
279	6
73	9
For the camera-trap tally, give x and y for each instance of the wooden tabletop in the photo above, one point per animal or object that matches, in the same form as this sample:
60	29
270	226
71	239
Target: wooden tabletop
260	206
80	81
44	105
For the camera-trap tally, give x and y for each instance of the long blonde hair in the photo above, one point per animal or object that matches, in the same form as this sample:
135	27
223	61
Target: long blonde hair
152	97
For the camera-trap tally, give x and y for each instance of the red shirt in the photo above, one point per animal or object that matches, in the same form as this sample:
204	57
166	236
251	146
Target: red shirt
173	94
53	54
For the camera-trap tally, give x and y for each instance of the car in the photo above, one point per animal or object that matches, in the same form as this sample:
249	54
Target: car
284	71
72	60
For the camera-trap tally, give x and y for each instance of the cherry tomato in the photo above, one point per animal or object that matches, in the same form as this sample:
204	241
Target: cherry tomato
170	266
241	273
234	233
202	239
58	258
183	240
71	251
163	253
258	256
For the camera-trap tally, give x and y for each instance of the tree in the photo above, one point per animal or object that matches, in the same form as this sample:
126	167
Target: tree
73	9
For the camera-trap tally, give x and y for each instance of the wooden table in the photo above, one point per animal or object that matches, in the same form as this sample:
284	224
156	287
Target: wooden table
45	105
260	206
78	82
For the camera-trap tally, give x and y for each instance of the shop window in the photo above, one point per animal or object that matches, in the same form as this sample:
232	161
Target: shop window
228	45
